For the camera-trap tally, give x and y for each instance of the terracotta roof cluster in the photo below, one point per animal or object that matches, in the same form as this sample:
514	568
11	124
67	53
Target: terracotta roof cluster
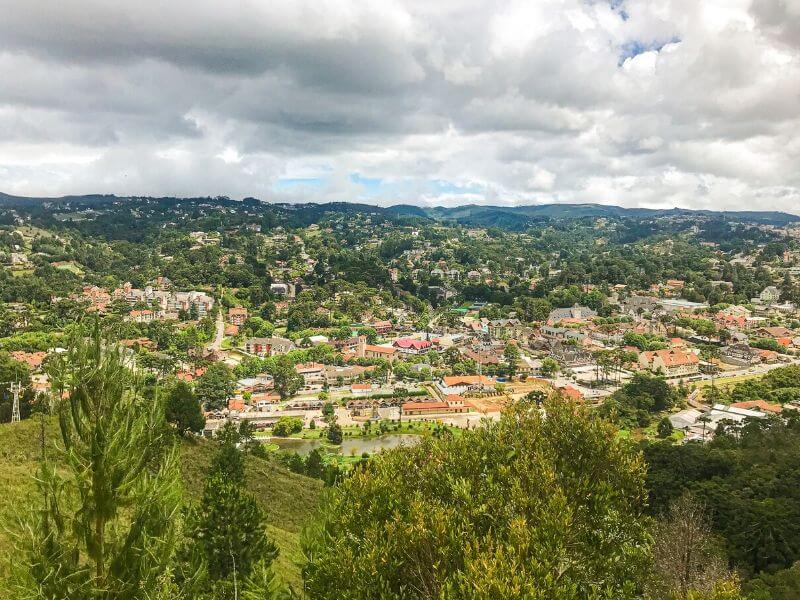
379	349
32	359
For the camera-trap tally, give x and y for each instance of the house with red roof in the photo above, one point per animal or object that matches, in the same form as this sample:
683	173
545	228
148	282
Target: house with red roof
383	352
461	384
361	389
776	333
412	346
142	316
313	374
237	315
236	404
382	327
673	363
452	404
571	392
189	376
32	359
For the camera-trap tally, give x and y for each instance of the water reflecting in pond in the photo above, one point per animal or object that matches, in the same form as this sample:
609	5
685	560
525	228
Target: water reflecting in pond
349	446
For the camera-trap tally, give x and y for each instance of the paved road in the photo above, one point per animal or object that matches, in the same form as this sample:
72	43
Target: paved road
217	343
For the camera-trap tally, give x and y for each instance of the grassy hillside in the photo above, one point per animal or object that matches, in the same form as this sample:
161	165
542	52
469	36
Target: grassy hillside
288	499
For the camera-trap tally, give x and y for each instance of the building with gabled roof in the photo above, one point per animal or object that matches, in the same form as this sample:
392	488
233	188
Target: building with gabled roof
673	363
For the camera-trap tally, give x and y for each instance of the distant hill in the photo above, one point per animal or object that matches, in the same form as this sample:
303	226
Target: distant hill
288	500
511	217
522	216
9	200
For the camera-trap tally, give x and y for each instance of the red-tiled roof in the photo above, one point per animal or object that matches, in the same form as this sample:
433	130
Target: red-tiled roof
673	358
379	349
571	392
410	343
32	359
761	405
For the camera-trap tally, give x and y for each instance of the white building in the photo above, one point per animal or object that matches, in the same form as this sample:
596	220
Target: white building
770	295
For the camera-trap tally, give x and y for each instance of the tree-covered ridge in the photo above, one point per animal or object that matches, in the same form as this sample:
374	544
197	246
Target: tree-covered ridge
139	240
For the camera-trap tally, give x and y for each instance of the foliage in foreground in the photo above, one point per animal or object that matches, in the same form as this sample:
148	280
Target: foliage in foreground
530	506
105	527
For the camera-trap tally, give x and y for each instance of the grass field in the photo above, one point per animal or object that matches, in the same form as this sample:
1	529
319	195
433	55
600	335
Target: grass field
356	431
724	381
70	266
21	272
288	500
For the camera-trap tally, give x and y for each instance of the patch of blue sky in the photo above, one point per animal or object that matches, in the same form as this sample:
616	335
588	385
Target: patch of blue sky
376	186
637	47
372	185
294	183
448	187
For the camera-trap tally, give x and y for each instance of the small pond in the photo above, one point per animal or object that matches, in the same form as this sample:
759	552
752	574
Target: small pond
350	446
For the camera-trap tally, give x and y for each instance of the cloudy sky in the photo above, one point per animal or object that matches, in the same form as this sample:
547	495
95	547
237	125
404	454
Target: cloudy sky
660	103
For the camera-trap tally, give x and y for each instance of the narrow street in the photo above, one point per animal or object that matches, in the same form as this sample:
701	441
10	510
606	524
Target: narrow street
216	345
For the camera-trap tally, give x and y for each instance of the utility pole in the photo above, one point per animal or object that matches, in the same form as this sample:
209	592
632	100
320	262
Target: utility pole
16	388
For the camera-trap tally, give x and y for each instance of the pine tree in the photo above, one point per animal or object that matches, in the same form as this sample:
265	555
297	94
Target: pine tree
104	525
227	549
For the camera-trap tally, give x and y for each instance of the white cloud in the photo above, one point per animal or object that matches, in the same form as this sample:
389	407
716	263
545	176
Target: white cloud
683	102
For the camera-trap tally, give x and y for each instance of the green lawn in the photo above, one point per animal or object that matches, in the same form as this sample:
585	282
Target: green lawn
72	267
353	431
725	381
21	272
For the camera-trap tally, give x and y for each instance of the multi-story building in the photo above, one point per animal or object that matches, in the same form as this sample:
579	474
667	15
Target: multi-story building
461	384
382	327
672	363
741	355
167	302
770	295
237	315
179	301
344	375
313	375
384	352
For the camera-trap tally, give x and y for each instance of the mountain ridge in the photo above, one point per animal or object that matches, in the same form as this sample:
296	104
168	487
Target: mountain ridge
467	214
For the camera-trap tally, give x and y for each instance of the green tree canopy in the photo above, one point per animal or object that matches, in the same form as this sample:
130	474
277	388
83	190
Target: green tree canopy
528	507
183	409
286	378
215	386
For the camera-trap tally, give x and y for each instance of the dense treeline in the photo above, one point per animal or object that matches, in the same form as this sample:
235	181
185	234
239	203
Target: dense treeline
750	481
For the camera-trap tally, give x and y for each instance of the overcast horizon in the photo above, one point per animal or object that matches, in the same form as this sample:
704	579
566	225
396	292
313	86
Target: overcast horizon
694	104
